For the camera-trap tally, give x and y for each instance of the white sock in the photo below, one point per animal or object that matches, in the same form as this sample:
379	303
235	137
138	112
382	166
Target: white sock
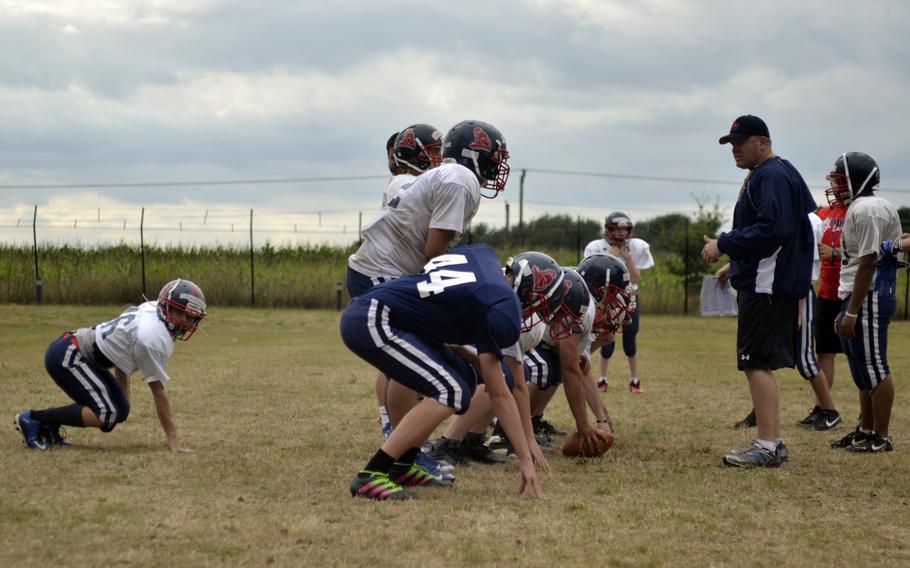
384	416
778	441
768	445
634	380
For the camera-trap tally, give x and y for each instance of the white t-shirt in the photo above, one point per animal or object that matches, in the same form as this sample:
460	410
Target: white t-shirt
137	339
818	229
396	184
527	340
869	221
446	197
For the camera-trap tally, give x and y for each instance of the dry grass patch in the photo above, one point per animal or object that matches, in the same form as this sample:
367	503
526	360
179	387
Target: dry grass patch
280	416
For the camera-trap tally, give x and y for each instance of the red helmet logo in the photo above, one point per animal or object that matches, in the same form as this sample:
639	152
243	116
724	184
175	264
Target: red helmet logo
408	139
567	284
481	140
542	278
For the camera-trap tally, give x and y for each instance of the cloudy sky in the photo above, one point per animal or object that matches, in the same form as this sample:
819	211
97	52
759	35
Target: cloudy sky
105	105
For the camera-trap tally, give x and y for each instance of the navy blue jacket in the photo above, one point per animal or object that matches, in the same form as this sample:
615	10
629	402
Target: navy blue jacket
770	245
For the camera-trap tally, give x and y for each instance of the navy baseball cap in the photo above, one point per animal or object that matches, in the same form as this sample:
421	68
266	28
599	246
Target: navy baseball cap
744	127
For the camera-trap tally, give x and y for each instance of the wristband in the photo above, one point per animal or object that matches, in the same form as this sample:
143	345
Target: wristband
849	315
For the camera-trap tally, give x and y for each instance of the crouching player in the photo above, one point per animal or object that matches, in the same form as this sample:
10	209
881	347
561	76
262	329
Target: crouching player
93	366
401	328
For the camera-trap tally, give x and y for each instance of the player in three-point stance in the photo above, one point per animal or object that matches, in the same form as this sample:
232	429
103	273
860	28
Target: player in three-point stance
93	366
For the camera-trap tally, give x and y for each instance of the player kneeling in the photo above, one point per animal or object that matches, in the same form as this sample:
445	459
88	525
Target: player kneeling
93	365
402	327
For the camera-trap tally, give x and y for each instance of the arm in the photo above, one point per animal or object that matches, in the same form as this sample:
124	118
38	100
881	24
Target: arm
124	381
523	402
438	241
626	256
163	406
573	381
723	275
771	227
506	410
861	286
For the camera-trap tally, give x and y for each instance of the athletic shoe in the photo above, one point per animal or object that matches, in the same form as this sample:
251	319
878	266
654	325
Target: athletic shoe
386	430
826	420
847	441
435	467
872	443
635	387
602	384
413	475
544	442
377	485
472	447
502	446
549	429
809	421
30	430
783	456
54	435
752	457
448	450
747	422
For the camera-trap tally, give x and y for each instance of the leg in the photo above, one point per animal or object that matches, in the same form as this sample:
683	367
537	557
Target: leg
766	400
826	362
882	399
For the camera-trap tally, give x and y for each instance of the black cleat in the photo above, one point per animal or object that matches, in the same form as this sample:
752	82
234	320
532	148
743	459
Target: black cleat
847	441
871	443
747	422
826	420
810	420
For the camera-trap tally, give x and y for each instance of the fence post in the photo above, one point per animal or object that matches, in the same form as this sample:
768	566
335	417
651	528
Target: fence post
252	271
906	292
686	271
142	248
37	274
521	199
578	239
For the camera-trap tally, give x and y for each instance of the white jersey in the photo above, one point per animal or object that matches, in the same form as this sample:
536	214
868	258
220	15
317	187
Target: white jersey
586	326
818	229
527	340
869	221
396	184
446	197
138	339
639	249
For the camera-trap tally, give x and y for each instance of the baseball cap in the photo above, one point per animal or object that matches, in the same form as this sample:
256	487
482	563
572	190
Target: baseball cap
744	127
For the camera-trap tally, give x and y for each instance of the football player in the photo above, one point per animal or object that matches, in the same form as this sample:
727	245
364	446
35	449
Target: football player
867	287
402	327
636	254
430	215
93	366
563	356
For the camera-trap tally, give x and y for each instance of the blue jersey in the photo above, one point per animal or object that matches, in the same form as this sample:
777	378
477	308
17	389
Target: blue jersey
771	244
461	298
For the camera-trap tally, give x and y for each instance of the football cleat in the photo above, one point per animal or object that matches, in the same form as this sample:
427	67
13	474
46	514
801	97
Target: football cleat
602	384
377	486
448	450
871	443
826	420
847	441
783	455
413	475
635	387
809	421
748	422
474	448
30	430
549	429
54	436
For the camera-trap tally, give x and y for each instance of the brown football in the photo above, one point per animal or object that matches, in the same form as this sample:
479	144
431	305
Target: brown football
572	446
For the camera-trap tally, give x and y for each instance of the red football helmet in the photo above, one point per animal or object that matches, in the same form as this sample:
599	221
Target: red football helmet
182	306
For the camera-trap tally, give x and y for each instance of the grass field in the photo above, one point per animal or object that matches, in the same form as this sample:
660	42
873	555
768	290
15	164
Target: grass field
280	416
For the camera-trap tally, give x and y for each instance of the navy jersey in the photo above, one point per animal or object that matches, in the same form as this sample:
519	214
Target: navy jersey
771	244
461	298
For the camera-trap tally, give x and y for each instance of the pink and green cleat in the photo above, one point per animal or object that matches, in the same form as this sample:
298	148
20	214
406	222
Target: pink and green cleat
377	485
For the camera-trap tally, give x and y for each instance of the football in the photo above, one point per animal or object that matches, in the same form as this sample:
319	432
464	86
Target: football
572	446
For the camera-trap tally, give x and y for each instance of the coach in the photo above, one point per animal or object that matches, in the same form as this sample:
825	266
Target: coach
770	250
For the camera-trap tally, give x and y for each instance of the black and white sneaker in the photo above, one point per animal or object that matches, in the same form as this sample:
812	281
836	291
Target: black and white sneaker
872	443
449	451
826	420
847	441
474	448
809	421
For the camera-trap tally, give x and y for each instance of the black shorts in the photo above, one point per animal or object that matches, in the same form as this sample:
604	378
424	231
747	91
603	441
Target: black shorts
826	312
766	335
